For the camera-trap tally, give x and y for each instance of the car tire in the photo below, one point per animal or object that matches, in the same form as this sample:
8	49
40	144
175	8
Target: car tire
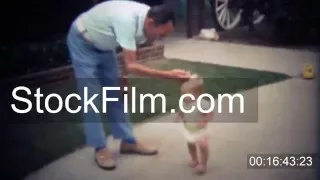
224	18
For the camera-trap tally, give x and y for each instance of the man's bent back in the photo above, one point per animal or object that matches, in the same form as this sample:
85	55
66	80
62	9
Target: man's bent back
115	23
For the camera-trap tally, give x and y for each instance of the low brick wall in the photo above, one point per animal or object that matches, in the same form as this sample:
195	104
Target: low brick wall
149	53
154	52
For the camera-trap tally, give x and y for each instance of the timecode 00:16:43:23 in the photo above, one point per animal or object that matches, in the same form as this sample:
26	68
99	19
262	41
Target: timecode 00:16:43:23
258	161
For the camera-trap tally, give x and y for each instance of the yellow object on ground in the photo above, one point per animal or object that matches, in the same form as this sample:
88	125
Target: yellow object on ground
308	72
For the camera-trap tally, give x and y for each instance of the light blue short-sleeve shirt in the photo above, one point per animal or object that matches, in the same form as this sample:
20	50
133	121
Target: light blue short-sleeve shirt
115	23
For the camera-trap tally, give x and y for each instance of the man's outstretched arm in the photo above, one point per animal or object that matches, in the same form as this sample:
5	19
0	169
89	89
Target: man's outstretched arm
132	66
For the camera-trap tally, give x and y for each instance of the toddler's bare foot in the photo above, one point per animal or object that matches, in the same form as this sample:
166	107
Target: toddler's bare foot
201	169
192	164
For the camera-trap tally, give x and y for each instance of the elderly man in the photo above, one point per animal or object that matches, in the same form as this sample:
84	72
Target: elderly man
92	41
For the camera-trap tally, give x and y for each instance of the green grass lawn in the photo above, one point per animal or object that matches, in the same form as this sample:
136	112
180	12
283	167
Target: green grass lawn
33	145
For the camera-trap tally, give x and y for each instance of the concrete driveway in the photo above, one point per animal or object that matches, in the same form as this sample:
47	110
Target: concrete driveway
286	123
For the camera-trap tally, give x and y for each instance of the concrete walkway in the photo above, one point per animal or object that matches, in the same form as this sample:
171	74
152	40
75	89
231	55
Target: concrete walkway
286	124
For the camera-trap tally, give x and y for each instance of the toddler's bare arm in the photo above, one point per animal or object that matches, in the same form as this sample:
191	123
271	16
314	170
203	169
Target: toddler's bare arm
179	116
206	117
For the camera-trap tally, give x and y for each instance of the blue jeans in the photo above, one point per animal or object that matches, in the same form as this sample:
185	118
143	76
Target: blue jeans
96	69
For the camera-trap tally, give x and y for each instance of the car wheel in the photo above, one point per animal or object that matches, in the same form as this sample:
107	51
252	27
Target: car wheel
224	15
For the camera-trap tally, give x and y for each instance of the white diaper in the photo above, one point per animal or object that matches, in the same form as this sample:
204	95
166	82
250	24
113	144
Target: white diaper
193	137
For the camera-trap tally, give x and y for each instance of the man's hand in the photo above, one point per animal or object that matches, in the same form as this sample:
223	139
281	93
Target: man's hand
179	74
132	66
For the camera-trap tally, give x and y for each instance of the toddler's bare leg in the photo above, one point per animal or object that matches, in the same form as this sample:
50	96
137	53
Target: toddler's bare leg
204	154
193	153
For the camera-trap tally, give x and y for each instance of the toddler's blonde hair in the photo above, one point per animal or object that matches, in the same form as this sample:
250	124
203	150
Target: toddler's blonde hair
194	85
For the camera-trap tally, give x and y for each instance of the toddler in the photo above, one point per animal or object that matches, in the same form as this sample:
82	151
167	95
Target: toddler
195	123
